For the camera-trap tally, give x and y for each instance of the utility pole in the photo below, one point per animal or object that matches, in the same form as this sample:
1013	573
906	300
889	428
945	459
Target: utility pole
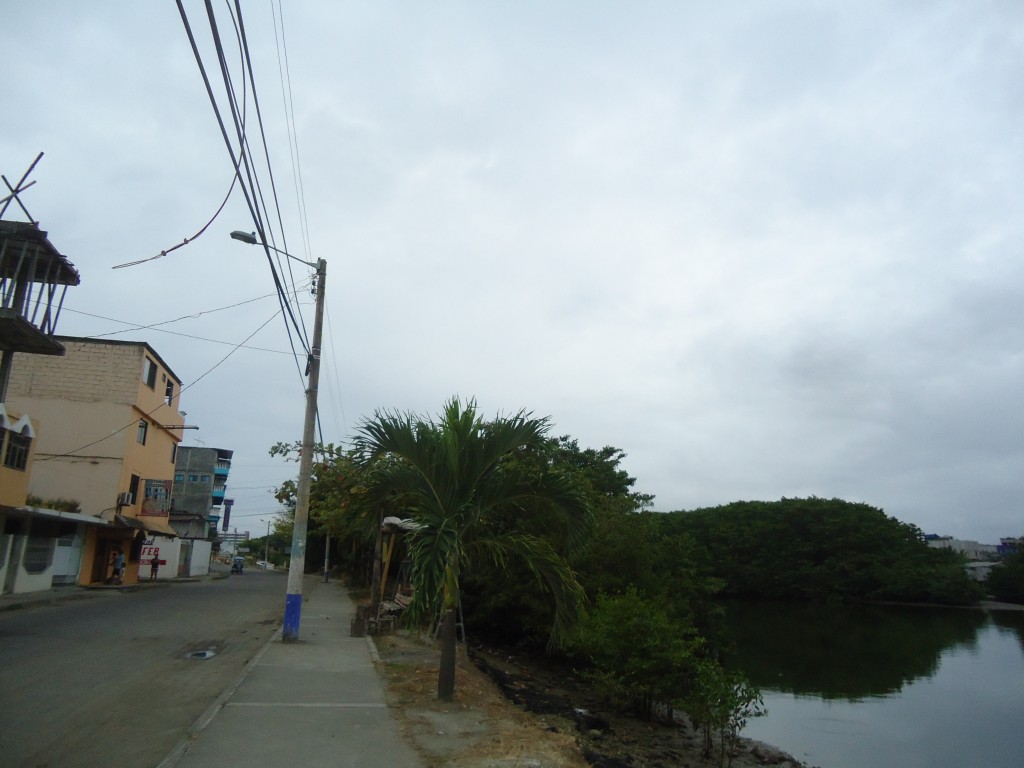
293	599
266	545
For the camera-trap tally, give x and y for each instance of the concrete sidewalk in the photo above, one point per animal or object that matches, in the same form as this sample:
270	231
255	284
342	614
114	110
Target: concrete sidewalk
316	702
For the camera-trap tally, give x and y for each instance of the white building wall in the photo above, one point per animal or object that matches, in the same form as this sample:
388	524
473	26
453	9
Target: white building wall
16	578
973	550
5	555
201	551
169	552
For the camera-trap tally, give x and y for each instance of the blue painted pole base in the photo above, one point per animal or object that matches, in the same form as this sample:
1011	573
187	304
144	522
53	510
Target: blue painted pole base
292	614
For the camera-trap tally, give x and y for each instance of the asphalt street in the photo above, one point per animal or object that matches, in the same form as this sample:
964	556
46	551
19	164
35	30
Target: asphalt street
117	678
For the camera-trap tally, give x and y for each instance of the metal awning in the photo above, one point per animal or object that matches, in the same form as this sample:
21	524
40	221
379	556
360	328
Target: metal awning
155	525
55	514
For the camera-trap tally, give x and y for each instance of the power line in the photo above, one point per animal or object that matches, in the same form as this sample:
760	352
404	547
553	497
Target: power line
243	159
173	333
190	316
285	75
133	422
187	240
257	189
244	42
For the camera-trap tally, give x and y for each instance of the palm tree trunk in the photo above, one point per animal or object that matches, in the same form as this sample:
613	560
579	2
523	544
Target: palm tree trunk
446	673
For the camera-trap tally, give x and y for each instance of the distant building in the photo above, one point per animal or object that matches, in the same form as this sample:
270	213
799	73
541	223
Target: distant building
972	550
232	541
1010	546
107	428
200	482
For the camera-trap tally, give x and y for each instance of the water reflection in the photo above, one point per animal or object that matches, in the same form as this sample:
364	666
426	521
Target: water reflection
848	652
1010	621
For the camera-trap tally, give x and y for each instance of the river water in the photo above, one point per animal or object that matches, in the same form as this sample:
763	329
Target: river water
885	687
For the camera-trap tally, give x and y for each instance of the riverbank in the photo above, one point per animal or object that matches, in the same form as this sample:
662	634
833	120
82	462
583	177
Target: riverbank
992	605
522	711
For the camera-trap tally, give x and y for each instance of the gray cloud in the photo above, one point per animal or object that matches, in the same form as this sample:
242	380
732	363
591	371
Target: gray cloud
770	250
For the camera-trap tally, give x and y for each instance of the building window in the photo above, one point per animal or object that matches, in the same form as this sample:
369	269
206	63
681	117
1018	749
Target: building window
38	554
67	535
179	478
149	373
42	541
169	391
133	487
174	452
143	429
16	453
204	478
193	478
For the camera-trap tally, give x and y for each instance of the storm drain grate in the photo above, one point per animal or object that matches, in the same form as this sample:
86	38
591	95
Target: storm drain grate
207	654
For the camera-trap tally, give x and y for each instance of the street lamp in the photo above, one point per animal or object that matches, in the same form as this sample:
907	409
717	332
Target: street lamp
293	598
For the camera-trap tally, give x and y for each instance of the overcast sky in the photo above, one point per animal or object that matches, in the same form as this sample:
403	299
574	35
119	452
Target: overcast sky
766	248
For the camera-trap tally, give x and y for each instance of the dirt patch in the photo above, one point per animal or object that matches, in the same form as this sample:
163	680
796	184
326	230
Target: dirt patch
523	712
479	729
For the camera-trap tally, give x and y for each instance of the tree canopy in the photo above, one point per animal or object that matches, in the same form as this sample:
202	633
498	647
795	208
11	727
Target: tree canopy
821	549
459	477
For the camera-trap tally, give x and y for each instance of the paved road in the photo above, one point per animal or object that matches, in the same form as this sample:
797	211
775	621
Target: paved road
105	681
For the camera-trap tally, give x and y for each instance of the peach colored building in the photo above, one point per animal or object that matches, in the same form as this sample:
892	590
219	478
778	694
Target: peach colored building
107	427
17	447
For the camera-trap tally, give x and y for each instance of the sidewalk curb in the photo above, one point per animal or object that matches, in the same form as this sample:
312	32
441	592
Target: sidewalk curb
374	653
203	721
58	596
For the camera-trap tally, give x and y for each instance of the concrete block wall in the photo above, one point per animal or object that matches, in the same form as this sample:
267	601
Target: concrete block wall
88	372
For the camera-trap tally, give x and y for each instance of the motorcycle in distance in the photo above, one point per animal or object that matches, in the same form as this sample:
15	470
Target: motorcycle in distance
236	565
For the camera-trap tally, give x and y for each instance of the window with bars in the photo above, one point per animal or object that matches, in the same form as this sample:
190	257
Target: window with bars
16	449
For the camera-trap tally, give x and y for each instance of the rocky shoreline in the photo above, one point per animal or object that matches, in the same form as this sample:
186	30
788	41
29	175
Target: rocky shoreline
607	738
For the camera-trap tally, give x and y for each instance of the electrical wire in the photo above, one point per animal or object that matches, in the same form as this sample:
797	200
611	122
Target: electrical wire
192	316
285	74
244	42
243	159
333	378
187	240
173	333
257	188
134	422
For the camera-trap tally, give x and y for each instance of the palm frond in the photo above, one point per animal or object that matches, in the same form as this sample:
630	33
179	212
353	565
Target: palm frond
552	572
450	474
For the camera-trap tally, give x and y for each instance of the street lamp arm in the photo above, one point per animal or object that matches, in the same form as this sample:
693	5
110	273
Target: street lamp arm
250	238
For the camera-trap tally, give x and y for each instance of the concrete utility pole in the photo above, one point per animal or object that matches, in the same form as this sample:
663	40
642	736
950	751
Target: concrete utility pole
293	597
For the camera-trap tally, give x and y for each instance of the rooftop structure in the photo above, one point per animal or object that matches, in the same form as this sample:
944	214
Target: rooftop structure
34	277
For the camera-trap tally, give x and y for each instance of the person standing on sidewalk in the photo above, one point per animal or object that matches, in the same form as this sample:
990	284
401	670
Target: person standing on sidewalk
154	565
118	566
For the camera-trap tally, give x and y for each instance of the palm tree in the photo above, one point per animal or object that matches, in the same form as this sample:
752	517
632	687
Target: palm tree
451	475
